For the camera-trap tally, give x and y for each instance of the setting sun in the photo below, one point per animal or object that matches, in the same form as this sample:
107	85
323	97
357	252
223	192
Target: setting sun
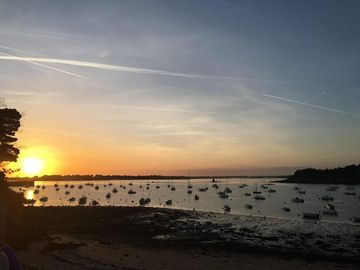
32	166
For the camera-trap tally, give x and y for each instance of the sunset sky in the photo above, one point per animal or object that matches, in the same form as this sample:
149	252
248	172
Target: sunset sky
183	87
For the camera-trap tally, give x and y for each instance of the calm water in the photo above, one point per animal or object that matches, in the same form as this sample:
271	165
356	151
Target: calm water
347	206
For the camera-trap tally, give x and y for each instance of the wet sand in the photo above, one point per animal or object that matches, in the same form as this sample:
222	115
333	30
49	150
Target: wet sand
69	252
150	238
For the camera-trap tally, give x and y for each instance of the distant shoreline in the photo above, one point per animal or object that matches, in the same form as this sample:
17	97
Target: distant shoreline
131	177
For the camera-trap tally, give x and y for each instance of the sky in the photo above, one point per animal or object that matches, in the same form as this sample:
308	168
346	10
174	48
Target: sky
216	87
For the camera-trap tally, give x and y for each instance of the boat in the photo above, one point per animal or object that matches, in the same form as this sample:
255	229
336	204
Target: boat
350	193
256	191
110	184
56	185
332	188
96	187
327	198
227	208
216	186
72	199
67	192
108	195
271	190
44	199
242	186
329	212
189	186
38	186
57	189
227	190
223	195
202	189
189	191
329	206
72	186
82	200
307	215
297	200
36	191
264	186
95	203
249	206
173	188
114	190
157	187
196	197
131	192
144	201
259	197
286	209
355	219
29	201
247	194
168	202
66	185
80	187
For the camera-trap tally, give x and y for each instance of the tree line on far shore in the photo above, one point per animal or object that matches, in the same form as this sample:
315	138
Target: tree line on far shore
342	175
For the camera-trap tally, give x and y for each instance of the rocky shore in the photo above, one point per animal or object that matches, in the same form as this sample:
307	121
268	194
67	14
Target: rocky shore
70	230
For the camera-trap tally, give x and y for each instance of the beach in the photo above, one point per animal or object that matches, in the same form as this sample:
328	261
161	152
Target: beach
154	238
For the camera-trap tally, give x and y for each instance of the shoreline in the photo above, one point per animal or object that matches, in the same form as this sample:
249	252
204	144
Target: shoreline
182	230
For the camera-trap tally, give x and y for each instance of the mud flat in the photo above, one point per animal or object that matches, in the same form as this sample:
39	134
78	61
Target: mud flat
151	238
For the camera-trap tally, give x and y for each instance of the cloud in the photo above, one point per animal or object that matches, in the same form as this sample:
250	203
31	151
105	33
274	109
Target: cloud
311	105
117	68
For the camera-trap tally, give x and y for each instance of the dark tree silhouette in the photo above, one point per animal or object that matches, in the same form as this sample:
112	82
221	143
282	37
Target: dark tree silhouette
9	125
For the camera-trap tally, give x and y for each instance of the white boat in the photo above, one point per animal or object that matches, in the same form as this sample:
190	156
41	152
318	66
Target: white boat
329	206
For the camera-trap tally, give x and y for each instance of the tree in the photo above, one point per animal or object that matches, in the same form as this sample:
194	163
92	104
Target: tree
9	125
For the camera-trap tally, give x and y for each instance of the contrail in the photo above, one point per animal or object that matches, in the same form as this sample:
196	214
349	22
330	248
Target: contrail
311	105
44	66
126	69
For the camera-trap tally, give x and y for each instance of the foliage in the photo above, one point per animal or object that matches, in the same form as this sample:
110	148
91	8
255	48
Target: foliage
9	125
346	175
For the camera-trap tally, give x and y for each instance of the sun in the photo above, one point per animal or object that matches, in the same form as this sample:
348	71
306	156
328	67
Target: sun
32	166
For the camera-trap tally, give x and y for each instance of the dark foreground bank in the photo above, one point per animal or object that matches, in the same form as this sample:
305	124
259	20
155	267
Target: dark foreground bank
60	233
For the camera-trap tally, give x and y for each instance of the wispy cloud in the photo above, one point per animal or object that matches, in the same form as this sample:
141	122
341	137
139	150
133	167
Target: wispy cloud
128	69
311	105
43	65
160	109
